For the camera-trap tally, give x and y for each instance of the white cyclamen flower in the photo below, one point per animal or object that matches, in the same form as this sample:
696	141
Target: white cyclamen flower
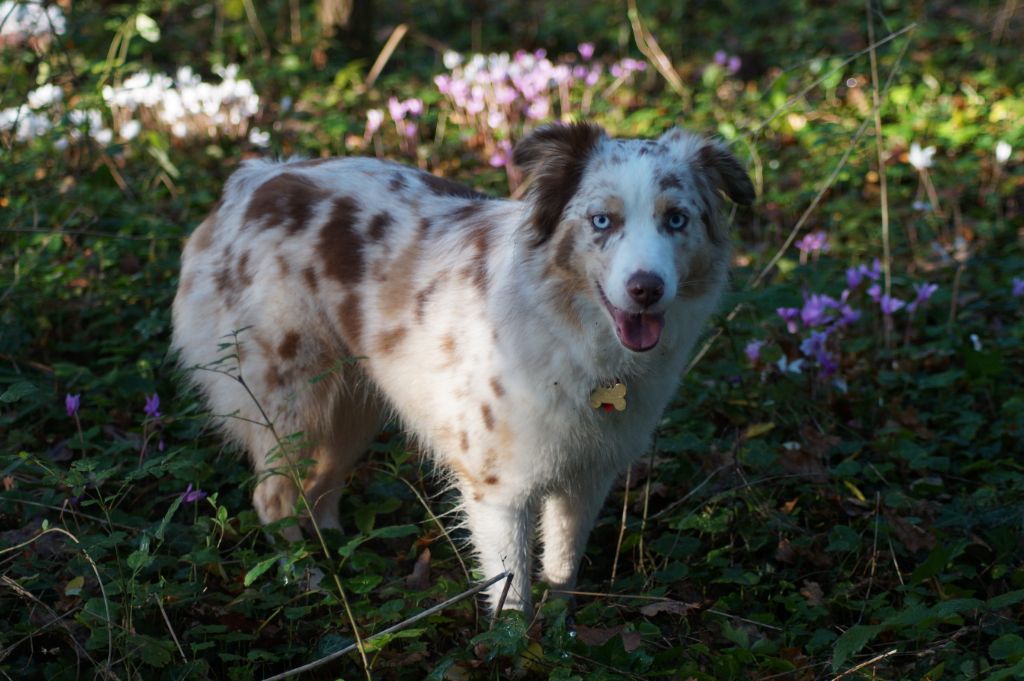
921	158
1003	151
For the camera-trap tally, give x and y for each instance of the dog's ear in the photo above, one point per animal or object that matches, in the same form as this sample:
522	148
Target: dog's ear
725	173
554	157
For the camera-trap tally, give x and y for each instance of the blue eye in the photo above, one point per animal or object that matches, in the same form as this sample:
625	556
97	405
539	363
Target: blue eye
601	221
676	221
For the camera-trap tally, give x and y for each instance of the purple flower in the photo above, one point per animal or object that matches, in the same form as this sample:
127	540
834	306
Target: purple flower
890	305
410	130
924	292
875	292
854	275
413	106
790	315
875	272
721	57
586	50
191	496
72	403
848	315
593	76
152	406
1018	287
753	351
816	346
815	242
733	65
815	309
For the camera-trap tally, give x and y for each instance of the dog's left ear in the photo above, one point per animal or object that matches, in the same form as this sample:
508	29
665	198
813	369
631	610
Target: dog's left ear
554	157
725	173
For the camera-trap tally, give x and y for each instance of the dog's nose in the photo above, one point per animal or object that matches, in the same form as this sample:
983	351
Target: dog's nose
645	288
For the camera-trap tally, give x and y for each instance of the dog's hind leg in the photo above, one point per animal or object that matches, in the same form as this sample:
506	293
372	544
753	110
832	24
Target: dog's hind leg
355	424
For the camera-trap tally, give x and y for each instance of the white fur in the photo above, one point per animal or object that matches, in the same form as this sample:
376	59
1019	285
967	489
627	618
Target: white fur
491	373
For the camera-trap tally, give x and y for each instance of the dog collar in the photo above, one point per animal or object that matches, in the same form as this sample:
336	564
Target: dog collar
609	397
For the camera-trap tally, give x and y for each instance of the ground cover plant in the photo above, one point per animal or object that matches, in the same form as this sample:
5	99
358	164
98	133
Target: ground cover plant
838	491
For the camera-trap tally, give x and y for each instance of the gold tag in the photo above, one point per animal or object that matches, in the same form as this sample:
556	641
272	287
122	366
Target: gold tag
609	398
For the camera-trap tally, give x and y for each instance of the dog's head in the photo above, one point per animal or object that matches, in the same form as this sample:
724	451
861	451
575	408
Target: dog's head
631	225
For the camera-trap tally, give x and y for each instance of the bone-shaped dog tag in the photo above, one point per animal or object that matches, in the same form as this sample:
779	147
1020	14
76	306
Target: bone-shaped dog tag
609	398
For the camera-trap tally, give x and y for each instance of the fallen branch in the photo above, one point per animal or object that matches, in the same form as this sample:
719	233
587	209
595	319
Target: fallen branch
390	630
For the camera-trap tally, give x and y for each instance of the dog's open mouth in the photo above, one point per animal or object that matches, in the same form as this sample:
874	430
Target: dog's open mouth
638	331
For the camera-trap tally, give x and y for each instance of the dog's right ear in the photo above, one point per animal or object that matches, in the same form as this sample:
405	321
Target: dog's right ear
554	157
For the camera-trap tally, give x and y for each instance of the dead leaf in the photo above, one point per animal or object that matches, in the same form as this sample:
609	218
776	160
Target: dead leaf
671	607
8	483
804	463
812	592
419	579
631	640
596	636
912	537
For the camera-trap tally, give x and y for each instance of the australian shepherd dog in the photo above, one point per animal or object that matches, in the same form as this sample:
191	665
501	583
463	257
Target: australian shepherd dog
530	346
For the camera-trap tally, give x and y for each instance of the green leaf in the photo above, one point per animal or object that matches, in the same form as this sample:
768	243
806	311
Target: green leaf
1009	647
1005	600
17	391
393	531
938	559
74	586
138	560
364	517
261	567
363	583
850	643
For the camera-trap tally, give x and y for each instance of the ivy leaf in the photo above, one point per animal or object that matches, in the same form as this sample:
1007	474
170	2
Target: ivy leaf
851	642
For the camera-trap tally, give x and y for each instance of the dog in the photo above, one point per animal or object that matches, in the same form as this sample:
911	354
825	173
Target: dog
530	346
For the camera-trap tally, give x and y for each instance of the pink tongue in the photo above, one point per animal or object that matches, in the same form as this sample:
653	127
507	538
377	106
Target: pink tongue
638	332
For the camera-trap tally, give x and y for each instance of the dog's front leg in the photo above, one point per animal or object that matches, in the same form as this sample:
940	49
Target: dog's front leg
567	518
501	536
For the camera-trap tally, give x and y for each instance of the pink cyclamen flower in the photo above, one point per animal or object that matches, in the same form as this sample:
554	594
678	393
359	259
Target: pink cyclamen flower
413	106
753	351
190	495
1018	287
72	403
396	109
586	50
790	315
410	130
815	242
152	406
374	118
924	292
890	304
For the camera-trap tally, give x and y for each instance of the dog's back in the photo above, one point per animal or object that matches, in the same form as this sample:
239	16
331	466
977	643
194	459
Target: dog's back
349	289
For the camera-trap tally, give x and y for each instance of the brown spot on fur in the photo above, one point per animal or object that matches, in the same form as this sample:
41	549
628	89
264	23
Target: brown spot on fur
379	225
340	244
423	297
397	182
564	249
465	212
309	274
555	156
400	274
464	441
440	186
185	285
491	480
284	201
351	315
282	264
477	496
244	276
387	340
273	377
448	346
289	346
671	181
485	411
705	273
497	387
479	238
202	237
